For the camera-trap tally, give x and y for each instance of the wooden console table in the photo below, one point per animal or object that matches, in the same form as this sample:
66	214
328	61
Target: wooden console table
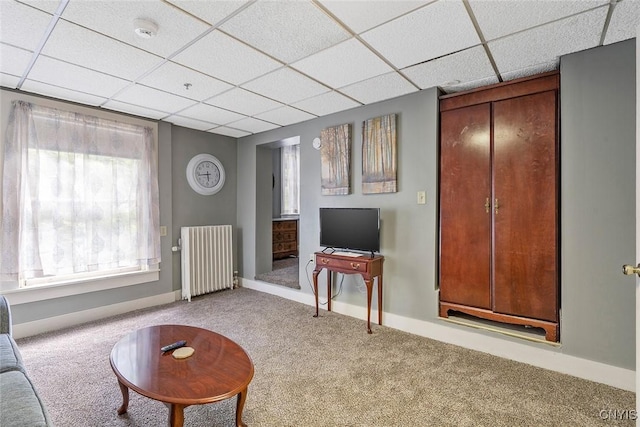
369	268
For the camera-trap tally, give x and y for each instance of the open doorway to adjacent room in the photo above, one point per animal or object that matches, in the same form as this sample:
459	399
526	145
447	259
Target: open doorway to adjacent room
284	210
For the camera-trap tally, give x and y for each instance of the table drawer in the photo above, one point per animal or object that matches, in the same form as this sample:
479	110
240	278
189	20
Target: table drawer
343	265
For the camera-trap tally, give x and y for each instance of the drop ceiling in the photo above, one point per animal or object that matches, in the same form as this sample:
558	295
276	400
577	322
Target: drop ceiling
238	67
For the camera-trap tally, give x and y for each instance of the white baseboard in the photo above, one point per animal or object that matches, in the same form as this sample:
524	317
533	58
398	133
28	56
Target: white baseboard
545	356
28	329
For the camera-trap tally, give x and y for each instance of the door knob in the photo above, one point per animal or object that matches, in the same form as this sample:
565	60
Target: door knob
630	270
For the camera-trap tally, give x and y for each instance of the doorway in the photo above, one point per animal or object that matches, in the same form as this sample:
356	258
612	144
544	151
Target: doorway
278	212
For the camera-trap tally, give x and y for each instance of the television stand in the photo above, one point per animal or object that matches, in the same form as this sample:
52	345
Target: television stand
368	268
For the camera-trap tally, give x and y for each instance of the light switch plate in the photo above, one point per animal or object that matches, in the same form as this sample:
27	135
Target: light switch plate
422	197
163	230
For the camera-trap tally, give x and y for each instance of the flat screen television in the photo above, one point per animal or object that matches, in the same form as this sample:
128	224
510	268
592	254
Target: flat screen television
350	228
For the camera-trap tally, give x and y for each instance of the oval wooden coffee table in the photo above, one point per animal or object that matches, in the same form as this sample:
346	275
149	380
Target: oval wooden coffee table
219	369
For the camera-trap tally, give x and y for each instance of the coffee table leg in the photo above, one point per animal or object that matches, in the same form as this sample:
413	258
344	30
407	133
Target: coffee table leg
125	398
176	415
242	396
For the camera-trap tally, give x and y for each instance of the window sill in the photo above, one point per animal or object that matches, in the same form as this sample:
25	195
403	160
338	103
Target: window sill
59	290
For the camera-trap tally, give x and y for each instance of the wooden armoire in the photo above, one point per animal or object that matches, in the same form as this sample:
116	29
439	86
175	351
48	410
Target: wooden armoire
499	194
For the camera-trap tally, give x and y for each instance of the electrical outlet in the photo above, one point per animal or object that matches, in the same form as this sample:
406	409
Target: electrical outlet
312	257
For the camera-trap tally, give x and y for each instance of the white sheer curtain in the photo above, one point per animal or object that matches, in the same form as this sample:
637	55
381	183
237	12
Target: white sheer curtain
80	195
290	166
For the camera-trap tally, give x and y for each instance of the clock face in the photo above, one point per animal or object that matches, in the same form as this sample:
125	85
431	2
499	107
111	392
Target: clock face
205	174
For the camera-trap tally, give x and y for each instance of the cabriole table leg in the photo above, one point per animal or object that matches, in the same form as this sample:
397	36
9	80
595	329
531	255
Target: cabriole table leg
125	398
242	396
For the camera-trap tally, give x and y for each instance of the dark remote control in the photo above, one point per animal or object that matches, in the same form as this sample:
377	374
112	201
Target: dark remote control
173	346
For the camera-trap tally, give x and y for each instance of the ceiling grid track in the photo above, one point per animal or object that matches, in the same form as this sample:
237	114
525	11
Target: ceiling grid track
43	41
485	44
607	21
367	45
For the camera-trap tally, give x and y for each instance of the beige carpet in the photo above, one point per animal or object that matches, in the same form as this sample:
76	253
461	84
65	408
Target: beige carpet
283	272
324	371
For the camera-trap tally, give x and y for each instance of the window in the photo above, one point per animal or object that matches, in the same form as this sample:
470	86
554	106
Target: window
290	167
80	197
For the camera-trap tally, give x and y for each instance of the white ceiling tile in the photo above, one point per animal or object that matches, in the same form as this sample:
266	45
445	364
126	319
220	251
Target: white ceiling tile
530	71
326	103
190	123
61	93
80	46
49	6
546	43
69	76
235	133
172	77
468	65
210	11
225	58
624	21
285	116
21	25
212	114
363	15
500	18
252	125
116	19
7	80
432	31
286	85
14	60
379	88
343	64
134	109
287	30
152	98
243	102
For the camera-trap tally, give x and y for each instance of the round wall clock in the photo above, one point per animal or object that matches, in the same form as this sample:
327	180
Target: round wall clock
205	174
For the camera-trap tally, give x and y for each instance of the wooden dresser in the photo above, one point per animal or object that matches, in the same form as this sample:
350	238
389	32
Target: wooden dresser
285	238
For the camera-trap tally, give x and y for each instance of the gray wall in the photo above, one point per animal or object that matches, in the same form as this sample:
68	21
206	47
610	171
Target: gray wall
597	204
408	234
190	208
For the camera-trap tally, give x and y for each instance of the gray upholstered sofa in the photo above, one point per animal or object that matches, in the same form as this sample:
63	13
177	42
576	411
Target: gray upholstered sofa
20	405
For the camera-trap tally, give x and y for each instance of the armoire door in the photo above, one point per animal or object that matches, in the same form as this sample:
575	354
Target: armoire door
465	218
525	256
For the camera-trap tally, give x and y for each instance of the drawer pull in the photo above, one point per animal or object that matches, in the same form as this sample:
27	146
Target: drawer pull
325	261
355	266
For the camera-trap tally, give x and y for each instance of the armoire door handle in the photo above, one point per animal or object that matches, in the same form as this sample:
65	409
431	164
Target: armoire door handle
497	206
487	205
